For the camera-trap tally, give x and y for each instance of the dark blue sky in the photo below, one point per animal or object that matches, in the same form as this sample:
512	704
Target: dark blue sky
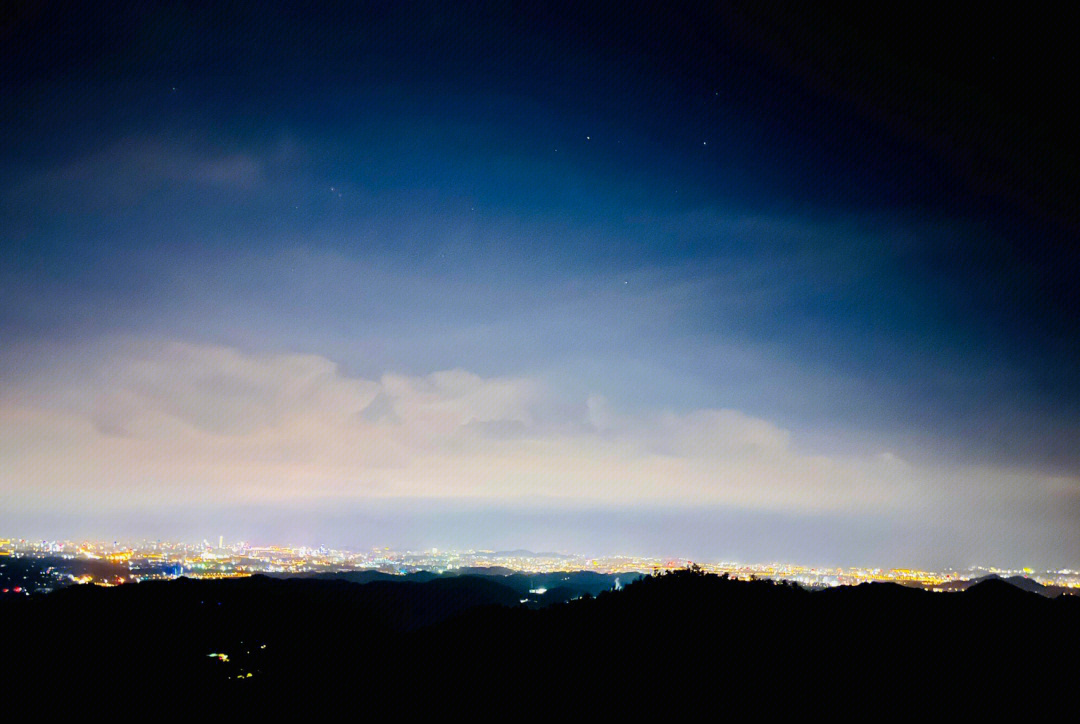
854	231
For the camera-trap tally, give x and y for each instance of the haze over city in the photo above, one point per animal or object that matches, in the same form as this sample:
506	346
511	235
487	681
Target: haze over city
676	284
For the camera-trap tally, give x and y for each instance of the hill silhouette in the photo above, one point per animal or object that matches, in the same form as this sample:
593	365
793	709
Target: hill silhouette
538	589
468	638
1021	582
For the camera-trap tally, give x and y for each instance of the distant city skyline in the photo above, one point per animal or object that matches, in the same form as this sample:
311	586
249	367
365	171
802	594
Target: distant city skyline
718	282
118	563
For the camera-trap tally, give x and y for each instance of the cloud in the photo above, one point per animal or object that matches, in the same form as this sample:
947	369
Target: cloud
125	173
138	424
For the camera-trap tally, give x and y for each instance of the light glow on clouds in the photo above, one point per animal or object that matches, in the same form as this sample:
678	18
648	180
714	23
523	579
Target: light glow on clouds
149	424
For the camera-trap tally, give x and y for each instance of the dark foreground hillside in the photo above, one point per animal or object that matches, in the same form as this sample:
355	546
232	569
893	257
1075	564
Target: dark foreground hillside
417	645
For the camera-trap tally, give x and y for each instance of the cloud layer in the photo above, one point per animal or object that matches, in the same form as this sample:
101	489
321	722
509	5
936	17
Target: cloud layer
137	424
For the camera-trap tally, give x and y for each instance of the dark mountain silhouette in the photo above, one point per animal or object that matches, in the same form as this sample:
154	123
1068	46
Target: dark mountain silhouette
999	588
1021	582
869	592
1028	584
578	582
365	576
455	642
569	584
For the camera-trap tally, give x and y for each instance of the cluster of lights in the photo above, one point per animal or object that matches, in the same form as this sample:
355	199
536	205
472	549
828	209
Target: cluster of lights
148	560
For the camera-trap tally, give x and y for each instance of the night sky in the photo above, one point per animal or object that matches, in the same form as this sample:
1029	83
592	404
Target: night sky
740	282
